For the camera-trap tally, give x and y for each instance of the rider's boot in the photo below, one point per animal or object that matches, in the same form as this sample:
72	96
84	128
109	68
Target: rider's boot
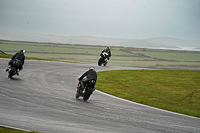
17	72
79	88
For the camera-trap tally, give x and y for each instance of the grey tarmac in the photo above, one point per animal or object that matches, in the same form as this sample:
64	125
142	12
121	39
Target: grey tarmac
42	98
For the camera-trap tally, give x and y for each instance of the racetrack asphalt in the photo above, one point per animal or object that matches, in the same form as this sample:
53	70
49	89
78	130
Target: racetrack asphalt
42	98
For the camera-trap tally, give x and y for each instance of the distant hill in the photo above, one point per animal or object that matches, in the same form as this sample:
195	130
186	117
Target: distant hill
161	42
174	42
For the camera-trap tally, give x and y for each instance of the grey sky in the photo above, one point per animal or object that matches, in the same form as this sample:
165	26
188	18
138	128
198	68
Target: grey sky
132	19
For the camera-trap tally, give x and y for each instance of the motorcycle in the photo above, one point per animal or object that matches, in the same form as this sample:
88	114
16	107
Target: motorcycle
87	90
103	59
14	69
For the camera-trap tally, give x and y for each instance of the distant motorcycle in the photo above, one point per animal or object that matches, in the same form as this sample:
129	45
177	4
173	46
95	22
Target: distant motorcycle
14	69
86	91
103	59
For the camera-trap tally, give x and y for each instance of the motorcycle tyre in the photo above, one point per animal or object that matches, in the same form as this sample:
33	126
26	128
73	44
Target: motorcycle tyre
87	94
11	72
100	61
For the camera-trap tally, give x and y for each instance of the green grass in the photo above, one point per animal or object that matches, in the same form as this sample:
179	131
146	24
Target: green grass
8	130
121	56
31	58
173	90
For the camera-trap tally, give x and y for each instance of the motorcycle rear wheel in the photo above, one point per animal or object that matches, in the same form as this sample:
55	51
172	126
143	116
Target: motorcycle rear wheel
11	72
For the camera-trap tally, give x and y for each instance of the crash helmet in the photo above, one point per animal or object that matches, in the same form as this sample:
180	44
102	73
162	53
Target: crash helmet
108	48
91	68
22	51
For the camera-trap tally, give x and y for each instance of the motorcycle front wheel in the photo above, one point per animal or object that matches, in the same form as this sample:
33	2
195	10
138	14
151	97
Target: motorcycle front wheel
87	94
100	61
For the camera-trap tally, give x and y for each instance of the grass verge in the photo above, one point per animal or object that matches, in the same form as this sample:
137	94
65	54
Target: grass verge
173	90
31	58
121	56
8	130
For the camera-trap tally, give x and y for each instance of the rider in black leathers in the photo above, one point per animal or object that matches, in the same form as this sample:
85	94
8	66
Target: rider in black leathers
90	74
18	56
107	50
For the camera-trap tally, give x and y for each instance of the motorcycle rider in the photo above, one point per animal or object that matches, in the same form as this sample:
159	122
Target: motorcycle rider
107	50
18	56
88	75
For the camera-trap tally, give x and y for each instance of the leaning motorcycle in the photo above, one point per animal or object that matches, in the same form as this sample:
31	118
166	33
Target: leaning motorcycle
103	60
86	91
14	68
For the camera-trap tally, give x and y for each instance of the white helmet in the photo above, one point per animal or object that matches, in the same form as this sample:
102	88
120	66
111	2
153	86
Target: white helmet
92	67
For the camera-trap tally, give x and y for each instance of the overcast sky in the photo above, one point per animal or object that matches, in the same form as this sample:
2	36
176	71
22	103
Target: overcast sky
130	19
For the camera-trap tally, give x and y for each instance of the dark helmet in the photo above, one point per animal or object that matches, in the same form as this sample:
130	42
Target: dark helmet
108	48
22	51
